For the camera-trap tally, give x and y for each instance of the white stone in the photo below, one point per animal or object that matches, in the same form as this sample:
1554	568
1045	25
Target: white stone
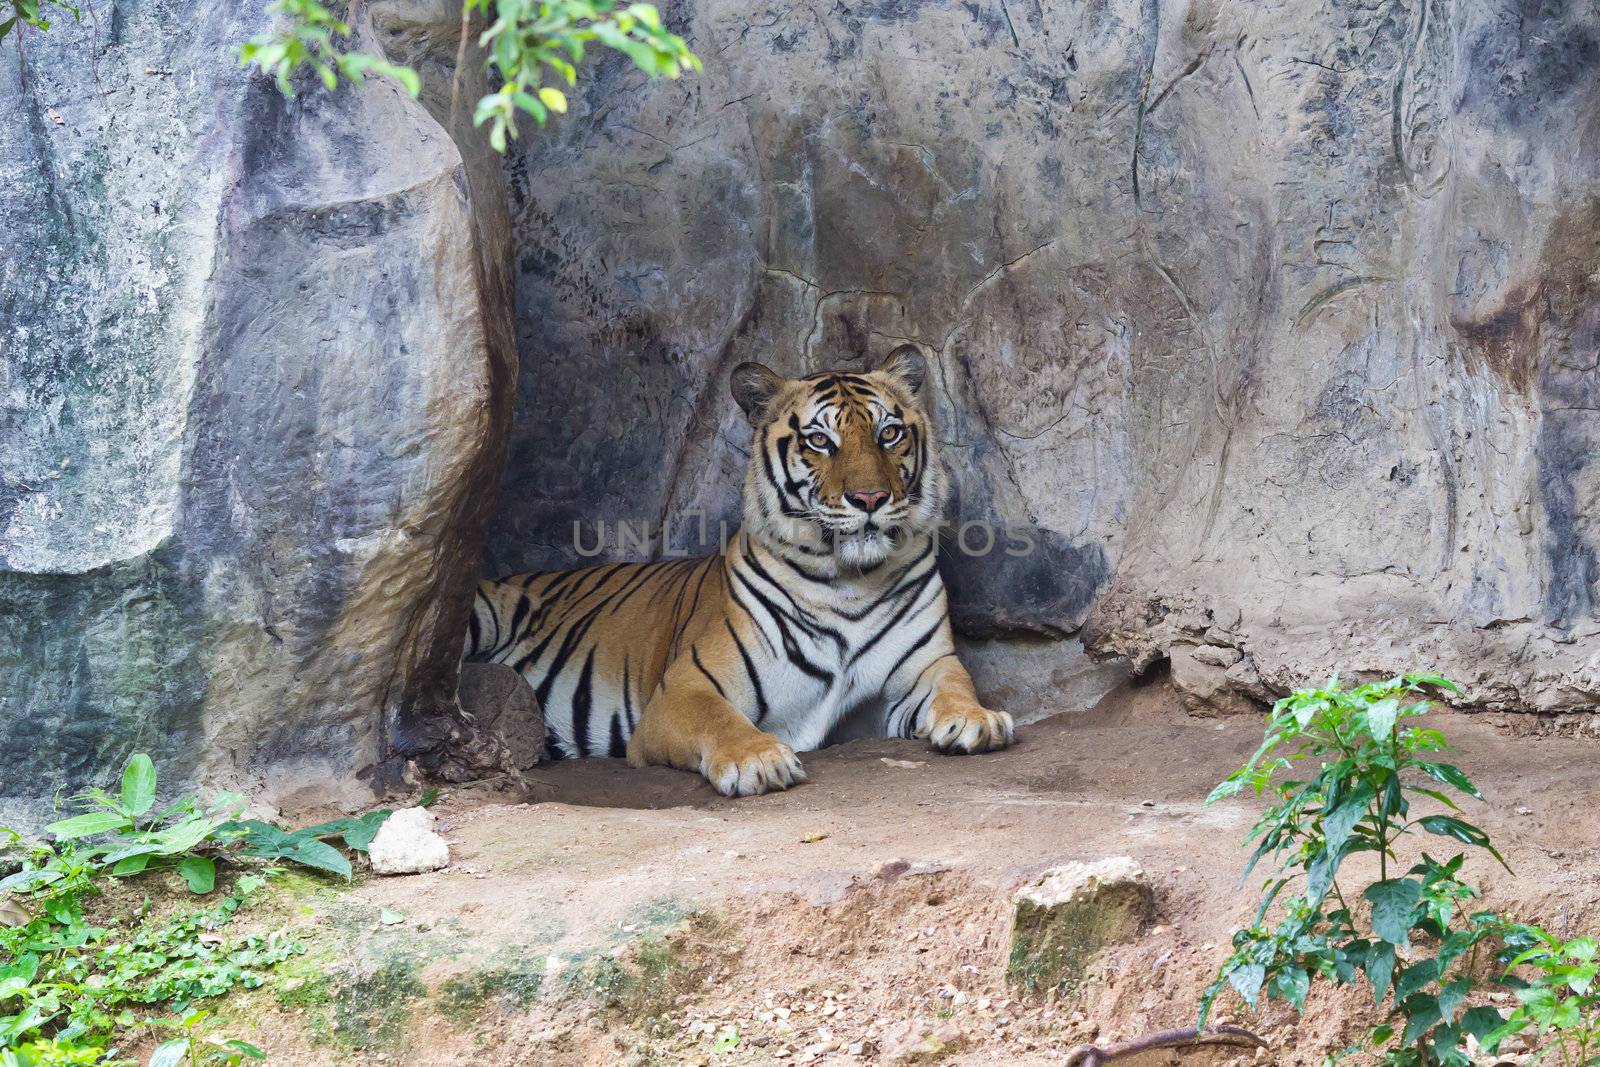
406	844
1082	881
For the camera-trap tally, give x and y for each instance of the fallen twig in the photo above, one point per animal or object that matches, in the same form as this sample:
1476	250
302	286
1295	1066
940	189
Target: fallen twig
1187	1037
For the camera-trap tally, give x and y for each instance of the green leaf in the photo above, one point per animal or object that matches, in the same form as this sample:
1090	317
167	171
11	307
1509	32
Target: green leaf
1246	980
1292	984
360	833
1420	1022
1481	1022
139	784
320	856
1451	997
245	1048
128	866
178	839
527	102
95	822
1415	977
389	917
1381	718
1434	680
1380	968
1450	775
199	873
1460	830
170	1053
1393	902
23	881
554	99
1337	824
647	14
1230	787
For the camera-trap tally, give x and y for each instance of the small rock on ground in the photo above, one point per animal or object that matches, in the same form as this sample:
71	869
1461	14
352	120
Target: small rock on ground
406	844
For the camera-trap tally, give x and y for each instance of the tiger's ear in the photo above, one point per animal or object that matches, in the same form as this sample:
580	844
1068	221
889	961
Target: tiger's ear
754	387
907	366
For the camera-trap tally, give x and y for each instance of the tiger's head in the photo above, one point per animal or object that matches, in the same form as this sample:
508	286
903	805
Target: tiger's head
842	463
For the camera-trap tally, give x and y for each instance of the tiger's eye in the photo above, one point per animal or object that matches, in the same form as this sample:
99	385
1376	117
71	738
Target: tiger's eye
890	434
818	441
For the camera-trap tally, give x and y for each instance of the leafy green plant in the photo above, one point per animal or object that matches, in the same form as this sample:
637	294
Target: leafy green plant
31	13
529	42
308	847
52	1053
309	35
71	986
528	37
130	840
195	1049
1561	1001
1413	942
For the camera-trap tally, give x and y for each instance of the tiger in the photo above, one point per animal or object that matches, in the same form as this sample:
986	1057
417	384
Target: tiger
826	602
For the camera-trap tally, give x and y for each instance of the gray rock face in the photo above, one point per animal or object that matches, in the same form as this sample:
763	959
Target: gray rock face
502	702
246	363
1269	328
1282	315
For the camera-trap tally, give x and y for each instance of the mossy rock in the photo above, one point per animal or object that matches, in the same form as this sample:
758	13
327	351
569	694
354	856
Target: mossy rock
1072	912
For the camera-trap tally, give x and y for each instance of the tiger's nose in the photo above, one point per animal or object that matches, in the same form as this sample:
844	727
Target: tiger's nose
868	501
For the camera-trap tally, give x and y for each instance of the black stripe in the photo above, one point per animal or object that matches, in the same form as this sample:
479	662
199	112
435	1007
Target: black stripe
494	617
619	747
557	582
694	654
787	487
524	605
569	645
897	586
474	631
582	703
750	670
791	647
810	576
627	696
911	691
684	577
634	584
801	616
524	660
908	728
927	636
894	620
695	603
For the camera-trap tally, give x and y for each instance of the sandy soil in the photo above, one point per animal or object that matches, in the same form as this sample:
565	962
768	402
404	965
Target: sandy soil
622	916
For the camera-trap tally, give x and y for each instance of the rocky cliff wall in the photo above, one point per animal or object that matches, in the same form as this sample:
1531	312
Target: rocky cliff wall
1273	324
254	371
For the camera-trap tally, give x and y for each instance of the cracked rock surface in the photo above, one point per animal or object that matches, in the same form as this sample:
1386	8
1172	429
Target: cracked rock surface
1281	316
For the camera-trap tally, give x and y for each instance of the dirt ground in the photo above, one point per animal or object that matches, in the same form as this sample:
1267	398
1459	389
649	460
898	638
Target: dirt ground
612	916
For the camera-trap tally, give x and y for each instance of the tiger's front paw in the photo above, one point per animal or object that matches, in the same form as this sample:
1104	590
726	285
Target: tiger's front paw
747	767
970	728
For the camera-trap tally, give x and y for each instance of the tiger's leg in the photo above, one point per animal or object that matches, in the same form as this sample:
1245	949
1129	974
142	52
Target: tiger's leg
942	706
690	725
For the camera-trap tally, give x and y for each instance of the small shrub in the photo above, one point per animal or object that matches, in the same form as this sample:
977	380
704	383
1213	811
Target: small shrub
1410	937
527	42
69	988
